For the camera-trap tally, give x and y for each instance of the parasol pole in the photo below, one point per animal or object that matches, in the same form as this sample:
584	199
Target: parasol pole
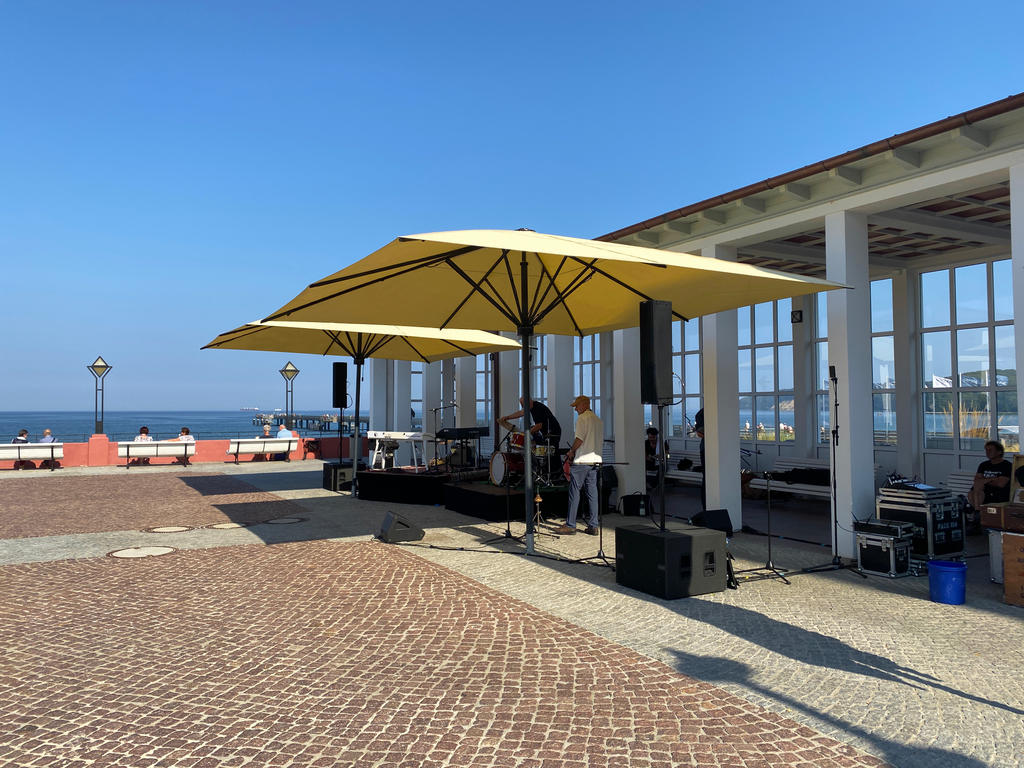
358	360
525	336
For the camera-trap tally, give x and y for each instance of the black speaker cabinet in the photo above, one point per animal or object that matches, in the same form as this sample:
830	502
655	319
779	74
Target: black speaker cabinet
394	529
336	477
656	352
679	562
340	385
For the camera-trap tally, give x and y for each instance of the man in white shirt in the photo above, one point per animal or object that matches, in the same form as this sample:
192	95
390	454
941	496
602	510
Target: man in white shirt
585	455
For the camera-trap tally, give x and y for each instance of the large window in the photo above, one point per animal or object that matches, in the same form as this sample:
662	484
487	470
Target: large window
586	369
416	395
765	357
968	367
883	364
823	406
538	369
483	390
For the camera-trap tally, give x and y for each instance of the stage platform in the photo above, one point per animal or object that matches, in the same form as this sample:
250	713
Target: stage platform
484	500
403	486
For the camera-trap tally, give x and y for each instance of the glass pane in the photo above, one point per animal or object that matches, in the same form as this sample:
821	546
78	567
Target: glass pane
938	419
691	336
693	374
677	336
883	363
416	387
678	380
785	367
881	306
744	370
746	418
1002	291
743	326
597	379
674	417
971	294
975	421
783	321
787	409
765	418
588	380
884	407
935	298
824	419
822	365
764	369
821	317
596	346
936	360
1007	420
481	386
577	349
1006	362
764	323
972	357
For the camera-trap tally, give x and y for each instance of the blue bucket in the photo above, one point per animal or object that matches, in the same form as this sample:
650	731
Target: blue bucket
947	582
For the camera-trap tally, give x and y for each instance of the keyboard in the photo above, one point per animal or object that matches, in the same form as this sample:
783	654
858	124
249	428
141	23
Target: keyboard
380	435
463	433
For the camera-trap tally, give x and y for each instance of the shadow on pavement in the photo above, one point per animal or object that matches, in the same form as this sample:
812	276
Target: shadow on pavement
719	670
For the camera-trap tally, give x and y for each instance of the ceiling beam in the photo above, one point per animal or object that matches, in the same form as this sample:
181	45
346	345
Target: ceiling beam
851	176
798	191
908	158
948	226
649	236
680	226
713	216
972	137
751	204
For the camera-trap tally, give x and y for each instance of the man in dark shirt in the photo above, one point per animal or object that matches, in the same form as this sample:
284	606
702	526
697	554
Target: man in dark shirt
544	427
992	481
698	430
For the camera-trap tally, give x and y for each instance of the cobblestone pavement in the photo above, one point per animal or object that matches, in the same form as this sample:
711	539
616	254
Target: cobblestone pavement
869	663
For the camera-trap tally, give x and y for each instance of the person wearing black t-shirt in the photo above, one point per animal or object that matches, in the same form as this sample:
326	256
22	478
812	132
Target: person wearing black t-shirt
992	481
544	427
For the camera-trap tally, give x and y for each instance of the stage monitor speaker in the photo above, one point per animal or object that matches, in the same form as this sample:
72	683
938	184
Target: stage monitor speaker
394	529
670	564
656	352
340	385
336	477
716	519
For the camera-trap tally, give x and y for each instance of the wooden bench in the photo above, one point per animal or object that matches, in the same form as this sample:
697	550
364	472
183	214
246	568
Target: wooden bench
156	449
262	446
686	476
19	452
785	464
959	483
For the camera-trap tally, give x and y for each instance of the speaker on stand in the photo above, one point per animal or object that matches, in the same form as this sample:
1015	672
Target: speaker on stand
656	374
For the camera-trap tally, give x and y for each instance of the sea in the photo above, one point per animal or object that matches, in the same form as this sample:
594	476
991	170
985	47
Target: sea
77	426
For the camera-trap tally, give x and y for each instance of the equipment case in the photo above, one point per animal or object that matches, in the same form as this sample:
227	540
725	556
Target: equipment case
883	555
938	525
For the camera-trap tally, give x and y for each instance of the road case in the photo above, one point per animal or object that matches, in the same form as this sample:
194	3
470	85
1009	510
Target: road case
938	524
883	555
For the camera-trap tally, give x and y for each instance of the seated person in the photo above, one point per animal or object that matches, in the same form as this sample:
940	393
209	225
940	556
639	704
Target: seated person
143	437
185	436
23	438
992	480
651	453
283	433
544	427
48	438
265	436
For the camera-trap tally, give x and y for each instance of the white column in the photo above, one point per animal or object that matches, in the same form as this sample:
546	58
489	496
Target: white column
804	442
465	392
1017	269
907	373
721	406
561	389
431	400
606	371
849	350
379	392
628	411
402	408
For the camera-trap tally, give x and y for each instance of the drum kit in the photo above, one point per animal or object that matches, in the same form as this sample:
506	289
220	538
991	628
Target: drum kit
509	466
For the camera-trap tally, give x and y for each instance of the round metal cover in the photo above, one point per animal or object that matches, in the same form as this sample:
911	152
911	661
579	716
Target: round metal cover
133	552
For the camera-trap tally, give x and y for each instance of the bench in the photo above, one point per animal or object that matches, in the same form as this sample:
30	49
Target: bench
785	464
155	449
262	446
959	483
19	452
686	476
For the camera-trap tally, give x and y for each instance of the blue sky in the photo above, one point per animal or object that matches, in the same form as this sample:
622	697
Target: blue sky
169	171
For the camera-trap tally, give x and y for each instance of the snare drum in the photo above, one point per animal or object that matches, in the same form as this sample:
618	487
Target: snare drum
517	441
540	451
507	468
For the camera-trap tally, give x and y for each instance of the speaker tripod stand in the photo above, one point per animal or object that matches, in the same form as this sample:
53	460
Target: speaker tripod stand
600	558
769	570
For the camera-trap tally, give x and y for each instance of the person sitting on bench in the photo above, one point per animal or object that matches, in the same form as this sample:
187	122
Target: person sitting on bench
992	480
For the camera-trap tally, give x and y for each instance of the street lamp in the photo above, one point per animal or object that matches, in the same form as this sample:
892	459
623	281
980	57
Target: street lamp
99	369
289	372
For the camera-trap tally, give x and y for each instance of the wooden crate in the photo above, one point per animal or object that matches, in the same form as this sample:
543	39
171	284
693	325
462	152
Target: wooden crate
1013	568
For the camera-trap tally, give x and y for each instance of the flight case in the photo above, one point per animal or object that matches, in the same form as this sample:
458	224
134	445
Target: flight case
937	517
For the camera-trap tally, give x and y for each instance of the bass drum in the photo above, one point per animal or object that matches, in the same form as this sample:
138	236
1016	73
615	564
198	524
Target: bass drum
507	468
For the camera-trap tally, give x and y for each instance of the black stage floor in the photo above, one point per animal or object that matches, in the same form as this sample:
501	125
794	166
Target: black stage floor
489	502
403	487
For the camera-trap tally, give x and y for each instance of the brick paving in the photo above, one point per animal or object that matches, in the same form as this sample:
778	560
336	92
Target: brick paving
45	506
337	654
870	664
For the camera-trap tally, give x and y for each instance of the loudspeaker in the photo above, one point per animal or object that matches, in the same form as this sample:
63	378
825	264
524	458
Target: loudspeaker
394	528
635	504
656	352
340	385
336	477
716	519
670	564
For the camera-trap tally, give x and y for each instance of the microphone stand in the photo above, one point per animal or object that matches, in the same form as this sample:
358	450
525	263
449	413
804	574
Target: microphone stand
768	570
508	505
837	562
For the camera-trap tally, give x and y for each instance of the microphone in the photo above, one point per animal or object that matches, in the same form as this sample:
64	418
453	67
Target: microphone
832	372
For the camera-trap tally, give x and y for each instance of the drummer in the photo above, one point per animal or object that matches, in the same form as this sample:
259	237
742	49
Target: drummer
544	427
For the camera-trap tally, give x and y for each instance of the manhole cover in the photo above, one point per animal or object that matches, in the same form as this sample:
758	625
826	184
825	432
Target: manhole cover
169	529
228	526
285	520
142	552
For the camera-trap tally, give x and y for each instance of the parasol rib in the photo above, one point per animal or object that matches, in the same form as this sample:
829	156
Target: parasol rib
511	279
620	283
476	289
413	348
417	263
458	270
561	301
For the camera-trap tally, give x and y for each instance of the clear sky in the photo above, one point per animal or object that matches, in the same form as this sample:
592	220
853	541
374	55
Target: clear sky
170	170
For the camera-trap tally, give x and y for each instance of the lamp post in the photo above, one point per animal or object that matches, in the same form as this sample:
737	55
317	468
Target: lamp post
289	372
99	369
